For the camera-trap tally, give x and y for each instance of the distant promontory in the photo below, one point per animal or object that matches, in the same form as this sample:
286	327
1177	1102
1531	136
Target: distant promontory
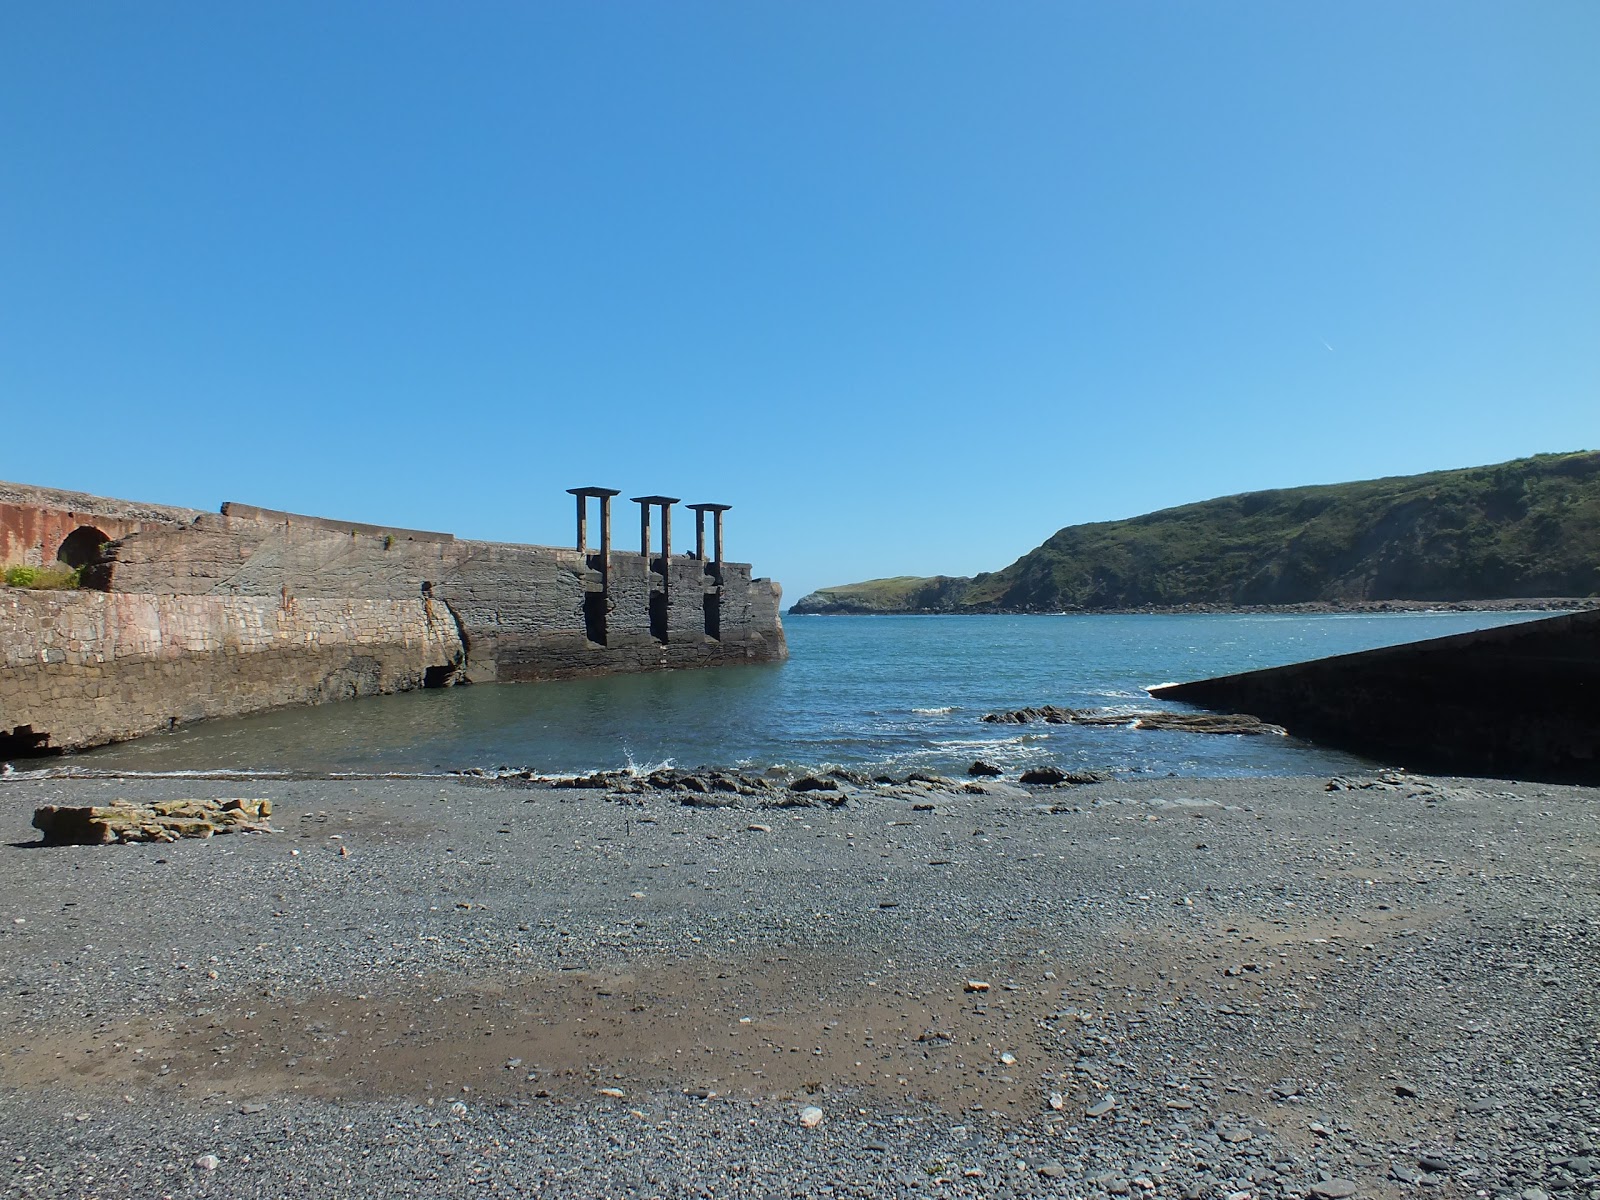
1525	529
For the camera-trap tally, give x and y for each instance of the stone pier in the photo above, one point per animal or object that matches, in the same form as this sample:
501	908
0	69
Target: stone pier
199	614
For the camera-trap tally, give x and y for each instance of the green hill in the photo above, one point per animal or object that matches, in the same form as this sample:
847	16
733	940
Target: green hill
1522	529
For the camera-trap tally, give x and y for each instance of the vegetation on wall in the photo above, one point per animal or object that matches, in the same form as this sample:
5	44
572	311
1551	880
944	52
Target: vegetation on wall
56	576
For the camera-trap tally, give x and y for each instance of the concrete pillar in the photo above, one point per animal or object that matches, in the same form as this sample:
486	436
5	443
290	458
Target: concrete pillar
716	511
604	496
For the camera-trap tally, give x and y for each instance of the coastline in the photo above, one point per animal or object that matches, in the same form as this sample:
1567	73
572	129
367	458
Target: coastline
1538	605
424	985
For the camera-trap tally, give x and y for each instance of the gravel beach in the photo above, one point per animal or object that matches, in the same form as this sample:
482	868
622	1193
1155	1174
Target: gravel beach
455	987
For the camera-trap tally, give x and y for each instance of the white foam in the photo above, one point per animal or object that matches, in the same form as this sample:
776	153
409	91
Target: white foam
936	712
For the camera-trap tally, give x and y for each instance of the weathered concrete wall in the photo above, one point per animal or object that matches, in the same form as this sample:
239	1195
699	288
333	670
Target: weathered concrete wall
1521	701
82	668
207	614
520	608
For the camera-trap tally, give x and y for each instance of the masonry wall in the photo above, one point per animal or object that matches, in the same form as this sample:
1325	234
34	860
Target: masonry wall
35	521
83	668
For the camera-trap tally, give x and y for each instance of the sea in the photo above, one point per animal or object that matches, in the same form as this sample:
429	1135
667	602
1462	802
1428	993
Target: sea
882	694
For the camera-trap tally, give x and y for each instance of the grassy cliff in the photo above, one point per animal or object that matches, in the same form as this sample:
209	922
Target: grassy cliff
1521	529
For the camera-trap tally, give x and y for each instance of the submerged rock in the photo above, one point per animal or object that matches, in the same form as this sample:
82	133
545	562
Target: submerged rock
1049	714
1180	722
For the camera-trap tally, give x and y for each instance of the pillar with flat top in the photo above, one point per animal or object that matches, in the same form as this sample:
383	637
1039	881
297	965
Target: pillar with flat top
659	601
596	605
716	511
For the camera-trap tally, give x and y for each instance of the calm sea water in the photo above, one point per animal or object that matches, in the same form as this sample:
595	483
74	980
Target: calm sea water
891	692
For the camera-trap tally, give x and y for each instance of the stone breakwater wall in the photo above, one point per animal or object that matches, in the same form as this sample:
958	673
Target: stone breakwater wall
1518	701
197	615
81	668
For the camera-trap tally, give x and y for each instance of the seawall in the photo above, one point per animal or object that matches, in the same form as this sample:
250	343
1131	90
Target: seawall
194	615
1520	701
81	668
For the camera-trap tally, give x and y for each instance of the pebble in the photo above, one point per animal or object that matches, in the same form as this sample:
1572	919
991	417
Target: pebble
208	1162
1101	1107
1334	1189
810	1117
977	985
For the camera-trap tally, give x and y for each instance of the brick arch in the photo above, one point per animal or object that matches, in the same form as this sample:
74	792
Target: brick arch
83	547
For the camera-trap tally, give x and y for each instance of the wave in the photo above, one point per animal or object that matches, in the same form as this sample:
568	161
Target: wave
937	712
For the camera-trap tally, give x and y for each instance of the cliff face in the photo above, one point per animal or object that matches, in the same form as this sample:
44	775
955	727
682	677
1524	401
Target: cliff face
1522	529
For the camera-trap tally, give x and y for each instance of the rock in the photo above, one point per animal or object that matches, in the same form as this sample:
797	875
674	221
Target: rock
1053	776
1047	776
124	821
976	985
1407	1090
1334	1189
810	783
1434	1164
853	778
753	828
1052	1170
1101	1107
810	1117
984	769
706	798
1057	1101
615	1093
1049	715
208	1162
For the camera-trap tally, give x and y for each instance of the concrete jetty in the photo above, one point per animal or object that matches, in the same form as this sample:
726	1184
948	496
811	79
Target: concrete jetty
1519	701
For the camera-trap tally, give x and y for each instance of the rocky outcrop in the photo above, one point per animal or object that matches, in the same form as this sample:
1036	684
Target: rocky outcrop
1172	721
153	821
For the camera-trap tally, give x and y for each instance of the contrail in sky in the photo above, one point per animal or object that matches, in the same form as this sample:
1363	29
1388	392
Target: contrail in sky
1330	348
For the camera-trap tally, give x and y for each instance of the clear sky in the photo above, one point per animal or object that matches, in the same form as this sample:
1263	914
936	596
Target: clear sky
911	285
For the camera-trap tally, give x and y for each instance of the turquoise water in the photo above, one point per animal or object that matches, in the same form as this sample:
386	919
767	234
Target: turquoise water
891	692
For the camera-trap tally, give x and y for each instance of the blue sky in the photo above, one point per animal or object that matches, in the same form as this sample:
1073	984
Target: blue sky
911	285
